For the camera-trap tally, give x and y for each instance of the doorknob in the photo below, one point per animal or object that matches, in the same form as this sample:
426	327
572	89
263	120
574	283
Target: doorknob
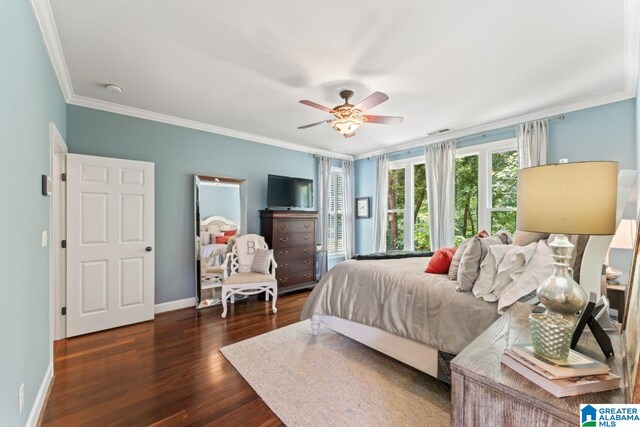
148	249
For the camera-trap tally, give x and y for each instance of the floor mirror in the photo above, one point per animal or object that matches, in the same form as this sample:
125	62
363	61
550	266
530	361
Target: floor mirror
220	215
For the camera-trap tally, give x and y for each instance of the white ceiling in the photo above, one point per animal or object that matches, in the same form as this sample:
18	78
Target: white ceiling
243	65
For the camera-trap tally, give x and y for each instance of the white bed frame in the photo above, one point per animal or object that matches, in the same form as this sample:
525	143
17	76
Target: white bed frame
426	358
417	355
220	223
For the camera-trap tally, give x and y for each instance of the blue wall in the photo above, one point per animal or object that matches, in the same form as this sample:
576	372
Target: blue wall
221	201
605	132
178	153
31	99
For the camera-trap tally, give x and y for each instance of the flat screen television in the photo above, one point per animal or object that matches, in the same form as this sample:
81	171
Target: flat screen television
288	192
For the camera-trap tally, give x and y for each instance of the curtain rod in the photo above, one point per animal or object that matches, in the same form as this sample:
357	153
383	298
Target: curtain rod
558	117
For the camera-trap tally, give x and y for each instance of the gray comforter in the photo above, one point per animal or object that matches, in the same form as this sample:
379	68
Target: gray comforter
397	296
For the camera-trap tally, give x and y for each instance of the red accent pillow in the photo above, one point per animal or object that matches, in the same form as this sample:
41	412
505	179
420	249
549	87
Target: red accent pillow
222	239
230	232
483	234
440	261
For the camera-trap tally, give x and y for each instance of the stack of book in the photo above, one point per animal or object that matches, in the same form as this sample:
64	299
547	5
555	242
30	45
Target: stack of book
578	374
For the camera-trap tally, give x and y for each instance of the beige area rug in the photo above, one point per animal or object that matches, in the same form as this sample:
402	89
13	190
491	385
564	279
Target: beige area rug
331	380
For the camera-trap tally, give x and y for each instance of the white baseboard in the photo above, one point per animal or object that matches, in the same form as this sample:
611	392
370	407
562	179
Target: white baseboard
38	404
175	305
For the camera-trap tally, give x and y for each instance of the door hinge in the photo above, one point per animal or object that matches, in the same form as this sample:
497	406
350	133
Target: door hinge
63	176
63	244
63	311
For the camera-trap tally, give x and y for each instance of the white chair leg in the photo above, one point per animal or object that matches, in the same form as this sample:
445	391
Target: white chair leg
266	293
224	303
315	324
233	298
275	298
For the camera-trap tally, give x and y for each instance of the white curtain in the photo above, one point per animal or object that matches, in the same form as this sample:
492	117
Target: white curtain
324	177
380	203
440	162
533	143
348	206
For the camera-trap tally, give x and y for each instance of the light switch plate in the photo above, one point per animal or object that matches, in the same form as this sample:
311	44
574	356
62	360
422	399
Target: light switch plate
45	238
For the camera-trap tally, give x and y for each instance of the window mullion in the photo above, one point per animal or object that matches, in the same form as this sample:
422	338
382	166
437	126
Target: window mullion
484	175
408	207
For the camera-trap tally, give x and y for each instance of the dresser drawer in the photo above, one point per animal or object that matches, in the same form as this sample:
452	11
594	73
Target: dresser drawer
287	279
285	240
294	226
295	265
283	253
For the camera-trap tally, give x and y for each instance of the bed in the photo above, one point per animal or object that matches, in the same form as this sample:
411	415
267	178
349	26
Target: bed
393	306
417	318
215	224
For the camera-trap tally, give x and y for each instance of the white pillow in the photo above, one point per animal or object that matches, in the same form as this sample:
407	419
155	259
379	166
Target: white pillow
262	261
205	238
539	267
509	269
488	269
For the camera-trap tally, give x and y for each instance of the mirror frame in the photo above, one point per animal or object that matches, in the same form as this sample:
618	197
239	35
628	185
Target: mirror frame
197	179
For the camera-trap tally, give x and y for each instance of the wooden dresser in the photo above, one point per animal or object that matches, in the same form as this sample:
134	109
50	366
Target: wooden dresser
292	236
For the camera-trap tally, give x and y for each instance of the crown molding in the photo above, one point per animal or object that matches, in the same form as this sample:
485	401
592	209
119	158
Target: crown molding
44	16
627	93
111	107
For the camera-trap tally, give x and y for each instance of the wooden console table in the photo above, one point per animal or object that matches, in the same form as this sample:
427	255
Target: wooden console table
485	392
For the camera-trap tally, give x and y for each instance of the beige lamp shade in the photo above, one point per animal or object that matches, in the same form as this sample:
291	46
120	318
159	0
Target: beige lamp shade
568	198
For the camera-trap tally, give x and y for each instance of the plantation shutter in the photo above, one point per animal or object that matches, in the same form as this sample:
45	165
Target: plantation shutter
339	211
335	240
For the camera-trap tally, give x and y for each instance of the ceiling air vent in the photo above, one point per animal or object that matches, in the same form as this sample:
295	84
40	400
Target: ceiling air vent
435	132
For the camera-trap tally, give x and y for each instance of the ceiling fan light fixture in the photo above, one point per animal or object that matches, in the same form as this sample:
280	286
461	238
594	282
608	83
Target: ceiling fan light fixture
347	120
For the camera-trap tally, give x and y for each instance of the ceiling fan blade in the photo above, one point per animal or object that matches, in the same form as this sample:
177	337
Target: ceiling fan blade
313	124
314	105
384	120
349	135
376	98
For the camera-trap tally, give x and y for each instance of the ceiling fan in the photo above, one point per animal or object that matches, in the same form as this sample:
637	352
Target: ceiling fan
348	118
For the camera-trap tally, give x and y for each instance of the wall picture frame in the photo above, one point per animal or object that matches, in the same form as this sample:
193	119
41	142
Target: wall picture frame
363	207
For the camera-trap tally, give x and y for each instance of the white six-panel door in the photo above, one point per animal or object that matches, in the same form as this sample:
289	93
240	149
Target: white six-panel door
110	243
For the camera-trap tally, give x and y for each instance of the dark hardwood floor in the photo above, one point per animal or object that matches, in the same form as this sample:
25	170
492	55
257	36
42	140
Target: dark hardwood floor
165	372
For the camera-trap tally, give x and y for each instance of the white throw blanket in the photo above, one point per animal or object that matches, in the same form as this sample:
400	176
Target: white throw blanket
246	246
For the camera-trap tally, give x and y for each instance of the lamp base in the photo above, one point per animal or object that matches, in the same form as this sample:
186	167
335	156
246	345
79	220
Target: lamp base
560	293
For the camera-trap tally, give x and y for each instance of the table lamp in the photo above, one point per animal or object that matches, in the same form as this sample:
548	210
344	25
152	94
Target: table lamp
565	198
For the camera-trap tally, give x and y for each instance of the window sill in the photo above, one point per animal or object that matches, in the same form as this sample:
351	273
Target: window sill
336	255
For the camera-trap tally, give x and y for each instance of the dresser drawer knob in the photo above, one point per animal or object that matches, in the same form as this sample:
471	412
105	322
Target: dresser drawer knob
307	251
308	275
284	252
284	226
283	265
283	280
307	225
307	261
307	238
284	239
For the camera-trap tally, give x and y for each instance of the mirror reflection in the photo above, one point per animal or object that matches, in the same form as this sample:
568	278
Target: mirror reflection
220	213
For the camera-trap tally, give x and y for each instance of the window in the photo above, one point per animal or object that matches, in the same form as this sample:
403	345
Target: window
486	188
396	209
504	190
466	214
407	210
335	239
486	195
